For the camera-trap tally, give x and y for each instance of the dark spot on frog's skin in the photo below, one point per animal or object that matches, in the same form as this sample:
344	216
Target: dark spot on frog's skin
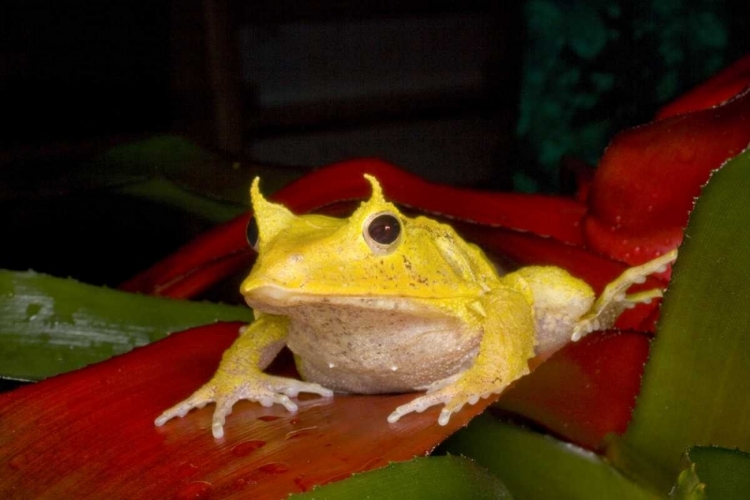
407	263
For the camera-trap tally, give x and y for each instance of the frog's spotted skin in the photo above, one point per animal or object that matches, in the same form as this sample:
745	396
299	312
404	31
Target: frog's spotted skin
380	302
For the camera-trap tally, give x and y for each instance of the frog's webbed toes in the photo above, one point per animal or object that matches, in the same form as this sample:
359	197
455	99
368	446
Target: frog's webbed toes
453	398
266	390
417	405
226	391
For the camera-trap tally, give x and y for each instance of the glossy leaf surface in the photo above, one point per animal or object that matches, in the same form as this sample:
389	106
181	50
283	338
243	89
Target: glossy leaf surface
90	433
52	325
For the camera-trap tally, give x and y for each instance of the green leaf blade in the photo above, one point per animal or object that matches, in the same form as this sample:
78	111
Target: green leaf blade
51	325
445	477
532	465
697	379
725	473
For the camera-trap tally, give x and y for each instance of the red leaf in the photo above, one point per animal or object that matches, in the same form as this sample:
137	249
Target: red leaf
649	176
586	390
90	433
726	84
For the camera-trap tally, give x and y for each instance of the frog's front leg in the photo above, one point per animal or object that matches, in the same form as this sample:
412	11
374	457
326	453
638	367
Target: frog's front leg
507	344
614	299
240	376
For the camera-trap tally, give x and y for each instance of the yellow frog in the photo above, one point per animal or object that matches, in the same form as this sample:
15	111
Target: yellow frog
380	302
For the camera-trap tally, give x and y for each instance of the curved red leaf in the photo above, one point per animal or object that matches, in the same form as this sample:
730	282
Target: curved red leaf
649	176
723	86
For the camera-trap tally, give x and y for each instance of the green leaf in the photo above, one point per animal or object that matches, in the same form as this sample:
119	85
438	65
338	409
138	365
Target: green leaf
430	478
51	325
725	473
532	465
696	383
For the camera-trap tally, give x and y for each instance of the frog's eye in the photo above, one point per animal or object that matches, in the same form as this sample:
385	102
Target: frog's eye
252	233
382	232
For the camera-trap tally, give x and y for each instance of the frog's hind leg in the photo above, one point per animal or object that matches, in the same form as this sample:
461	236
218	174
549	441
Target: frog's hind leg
614	299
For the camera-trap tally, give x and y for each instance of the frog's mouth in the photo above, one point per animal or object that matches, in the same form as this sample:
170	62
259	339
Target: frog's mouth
273	299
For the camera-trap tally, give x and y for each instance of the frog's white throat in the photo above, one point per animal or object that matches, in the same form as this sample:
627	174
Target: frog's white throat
369	344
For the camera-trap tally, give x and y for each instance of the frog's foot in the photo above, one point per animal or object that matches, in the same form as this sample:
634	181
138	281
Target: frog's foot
614	299
453	396
226	391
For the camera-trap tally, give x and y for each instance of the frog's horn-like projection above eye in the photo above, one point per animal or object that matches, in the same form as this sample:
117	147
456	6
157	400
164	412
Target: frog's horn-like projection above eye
271	218
377	191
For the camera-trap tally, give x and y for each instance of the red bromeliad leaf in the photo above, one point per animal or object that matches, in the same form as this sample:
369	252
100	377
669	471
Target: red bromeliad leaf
644	187
204	261
90	433
586	390
721	87
222	251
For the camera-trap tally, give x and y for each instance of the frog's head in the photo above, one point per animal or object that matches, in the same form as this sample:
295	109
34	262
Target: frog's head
377	252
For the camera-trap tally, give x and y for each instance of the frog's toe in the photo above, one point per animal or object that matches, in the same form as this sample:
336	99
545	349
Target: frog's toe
217	429
199	399
457	403
454	400
293	387
223	408
217	424
419	405
279	399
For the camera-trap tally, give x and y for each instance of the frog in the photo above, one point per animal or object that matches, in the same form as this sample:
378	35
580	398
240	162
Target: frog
380	302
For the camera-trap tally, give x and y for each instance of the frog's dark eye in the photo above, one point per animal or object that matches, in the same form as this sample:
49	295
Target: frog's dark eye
252	234
382	232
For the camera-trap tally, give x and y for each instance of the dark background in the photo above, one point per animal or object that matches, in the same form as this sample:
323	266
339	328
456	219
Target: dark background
469	92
